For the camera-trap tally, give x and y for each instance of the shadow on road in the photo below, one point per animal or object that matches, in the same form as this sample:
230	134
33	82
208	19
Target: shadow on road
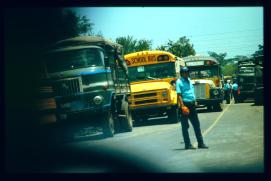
203	111
153	121
179	149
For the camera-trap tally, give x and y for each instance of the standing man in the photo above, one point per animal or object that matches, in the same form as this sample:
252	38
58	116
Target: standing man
235	91
227	90
186	97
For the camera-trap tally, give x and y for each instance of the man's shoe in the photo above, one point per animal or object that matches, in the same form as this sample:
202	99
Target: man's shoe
190	147
203	146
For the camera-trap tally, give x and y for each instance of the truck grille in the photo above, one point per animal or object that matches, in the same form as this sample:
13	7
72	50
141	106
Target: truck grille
145	95
200	91
67	87
148	98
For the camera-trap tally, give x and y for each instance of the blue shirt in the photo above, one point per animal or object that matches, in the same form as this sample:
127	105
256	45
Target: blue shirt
235	86
186	89
227	86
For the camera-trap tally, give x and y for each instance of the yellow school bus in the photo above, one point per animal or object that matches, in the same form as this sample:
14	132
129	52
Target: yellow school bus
206	75
153	76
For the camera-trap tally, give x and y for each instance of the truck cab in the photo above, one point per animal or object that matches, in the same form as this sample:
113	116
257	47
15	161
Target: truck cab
250	79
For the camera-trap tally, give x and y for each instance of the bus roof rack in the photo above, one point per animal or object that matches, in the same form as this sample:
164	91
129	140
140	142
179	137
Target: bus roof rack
193	58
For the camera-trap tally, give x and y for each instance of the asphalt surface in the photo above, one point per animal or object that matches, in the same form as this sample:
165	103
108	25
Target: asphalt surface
235	138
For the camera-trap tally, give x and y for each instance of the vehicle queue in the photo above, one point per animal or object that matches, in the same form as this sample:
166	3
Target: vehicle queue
89	75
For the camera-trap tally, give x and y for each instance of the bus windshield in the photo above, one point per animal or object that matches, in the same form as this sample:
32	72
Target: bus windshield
74	59
152	72
203	72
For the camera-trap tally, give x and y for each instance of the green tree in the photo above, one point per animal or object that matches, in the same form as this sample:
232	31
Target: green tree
229	69
74	25
220	57
143	45
128	43
131	45
259	52
181	48
162	47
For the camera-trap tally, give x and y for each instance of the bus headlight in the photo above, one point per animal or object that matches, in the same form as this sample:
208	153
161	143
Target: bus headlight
98	100
215	92
164	93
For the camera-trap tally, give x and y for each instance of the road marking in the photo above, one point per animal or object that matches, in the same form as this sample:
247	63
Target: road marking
215	122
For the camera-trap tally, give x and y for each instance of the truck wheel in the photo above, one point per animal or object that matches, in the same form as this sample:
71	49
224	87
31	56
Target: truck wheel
127	122
218	107
173	116
108	125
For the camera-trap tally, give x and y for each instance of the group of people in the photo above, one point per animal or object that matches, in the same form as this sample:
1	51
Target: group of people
231	89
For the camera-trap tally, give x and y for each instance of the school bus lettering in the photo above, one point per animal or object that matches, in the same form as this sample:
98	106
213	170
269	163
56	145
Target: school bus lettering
151	58
128	62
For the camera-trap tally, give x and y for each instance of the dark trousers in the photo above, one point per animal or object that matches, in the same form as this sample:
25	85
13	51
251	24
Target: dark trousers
227	96
235	96
193	117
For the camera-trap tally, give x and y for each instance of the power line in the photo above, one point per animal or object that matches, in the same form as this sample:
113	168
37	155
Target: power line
232	38
247	30
232	46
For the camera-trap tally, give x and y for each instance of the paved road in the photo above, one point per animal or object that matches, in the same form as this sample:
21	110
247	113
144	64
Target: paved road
235	138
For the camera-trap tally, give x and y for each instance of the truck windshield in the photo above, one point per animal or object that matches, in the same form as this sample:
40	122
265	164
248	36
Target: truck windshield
203	72
74	59
152	72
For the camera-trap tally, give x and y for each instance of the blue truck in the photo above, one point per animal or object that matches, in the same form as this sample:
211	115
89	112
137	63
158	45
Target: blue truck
86	76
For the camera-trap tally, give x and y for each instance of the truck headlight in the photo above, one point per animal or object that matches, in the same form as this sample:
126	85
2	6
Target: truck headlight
98	99
215	92
164	93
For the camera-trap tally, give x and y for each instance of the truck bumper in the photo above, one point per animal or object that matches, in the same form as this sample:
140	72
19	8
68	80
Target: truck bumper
152	110
80	105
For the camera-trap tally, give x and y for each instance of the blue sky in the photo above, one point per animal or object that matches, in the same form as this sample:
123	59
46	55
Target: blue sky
234	30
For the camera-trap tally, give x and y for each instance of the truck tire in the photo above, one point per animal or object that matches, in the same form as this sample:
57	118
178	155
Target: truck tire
127	121
108	125
173	116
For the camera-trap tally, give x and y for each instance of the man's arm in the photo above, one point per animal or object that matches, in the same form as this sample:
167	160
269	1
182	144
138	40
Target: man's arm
178	90
180	100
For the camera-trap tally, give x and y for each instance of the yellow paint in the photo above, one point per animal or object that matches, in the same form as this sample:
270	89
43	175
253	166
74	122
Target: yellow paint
207	91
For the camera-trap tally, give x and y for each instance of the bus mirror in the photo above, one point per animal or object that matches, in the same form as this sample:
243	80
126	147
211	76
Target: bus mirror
173	82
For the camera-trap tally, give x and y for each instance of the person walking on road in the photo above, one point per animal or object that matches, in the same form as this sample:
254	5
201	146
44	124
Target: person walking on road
235	92
186	98
227	90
